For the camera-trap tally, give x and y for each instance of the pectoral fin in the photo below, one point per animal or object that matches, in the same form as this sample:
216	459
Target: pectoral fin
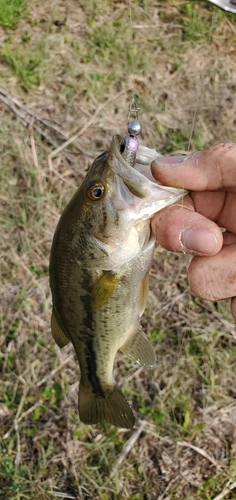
59	336
143	295
103	289
139	348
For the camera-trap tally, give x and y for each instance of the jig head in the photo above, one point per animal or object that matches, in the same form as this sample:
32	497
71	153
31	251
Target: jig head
129	146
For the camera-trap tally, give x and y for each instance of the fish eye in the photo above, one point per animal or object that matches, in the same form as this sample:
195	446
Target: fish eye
95	192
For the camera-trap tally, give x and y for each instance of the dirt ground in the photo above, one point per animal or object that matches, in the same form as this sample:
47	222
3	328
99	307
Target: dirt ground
71	68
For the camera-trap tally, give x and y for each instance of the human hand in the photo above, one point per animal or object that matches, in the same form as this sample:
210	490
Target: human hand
194	226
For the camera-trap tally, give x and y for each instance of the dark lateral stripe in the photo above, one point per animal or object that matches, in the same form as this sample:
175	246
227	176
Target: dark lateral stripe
92	369
88	330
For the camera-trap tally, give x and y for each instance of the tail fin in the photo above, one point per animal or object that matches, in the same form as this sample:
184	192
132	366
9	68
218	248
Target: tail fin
112	407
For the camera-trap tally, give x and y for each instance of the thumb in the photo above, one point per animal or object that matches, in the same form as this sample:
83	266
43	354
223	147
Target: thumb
208	170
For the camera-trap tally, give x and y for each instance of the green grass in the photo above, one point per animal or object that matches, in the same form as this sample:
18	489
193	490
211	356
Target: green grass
14	482
195	26
64	63
11	11
26	63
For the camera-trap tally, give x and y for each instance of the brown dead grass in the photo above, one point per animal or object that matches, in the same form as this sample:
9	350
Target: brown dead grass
186	407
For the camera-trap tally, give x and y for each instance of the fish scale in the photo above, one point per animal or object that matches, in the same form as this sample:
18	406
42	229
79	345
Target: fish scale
101	255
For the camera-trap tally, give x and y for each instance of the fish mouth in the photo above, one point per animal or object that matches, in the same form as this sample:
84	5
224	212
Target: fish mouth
138	188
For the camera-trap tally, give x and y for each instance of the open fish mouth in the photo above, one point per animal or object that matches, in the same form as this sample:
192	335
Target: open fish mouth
138	187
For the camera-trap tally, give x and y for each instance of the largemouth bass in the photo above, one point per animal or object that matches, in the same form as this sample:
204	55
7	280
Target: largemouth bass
101	254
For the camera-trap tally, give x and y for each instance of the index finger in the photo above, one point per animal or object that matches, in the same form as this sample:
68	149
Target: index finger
212	169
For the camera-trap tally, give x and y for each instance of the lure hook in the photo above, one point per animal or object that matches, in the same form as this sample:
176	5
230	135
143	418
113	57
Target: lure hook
133	110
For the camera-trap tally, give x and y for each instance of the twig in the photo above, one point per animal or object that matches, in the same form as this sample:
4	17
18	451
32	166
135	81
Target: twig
13	108
145	26
29	111
231	26
60	494
33	148
17	459
25	392
53	372
209	307
18	113
162	496
170	304
225	491
25	414
82	130
200	451
10	101
52	169
32	408
128	446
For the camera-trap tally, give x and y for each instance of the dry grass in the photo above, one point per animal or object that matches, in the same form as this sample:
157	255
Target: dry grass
65	63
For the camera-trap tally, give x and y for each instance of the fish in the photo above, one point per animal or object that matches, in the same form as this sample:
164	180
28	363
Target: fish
100	259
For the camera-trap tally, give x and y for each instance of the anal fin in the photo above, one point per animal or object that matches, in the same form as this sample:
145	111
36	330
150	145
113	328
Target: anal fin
59	336
140	349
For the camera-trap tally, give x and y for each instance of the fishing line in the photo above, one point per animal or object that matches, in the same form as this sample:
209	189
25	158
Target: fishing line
133	109
196	109
200	88
131	35
187	257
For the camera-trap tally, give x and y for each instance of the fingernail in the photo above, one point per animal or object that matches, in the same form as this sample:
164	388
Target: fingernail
170	160
198	241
